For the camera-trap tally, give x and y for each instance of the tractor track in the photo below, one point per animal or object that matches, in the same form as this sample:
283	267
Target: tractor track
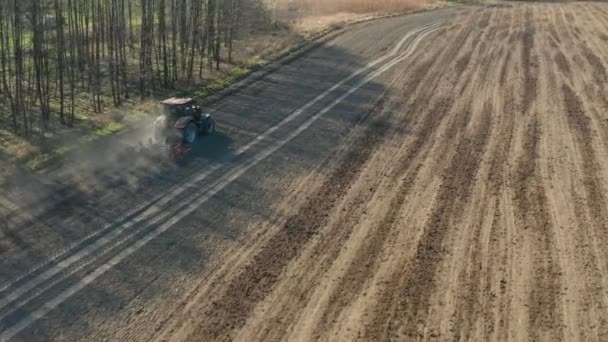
178	192
135	232
453	189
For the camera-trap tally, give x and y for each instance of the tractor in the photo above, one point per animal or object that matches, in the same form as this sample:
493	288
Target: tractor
180	125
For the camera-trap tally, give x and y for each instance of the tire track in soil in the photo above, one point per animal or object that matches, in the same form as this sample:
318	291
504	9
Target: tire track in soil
460	149
531	207
463	62
478	45
329	248
587	205
378	326
562	63
593	205
571	19
569	39
591	303
554	34
367	256
601	14
497	177
498	17
257	279
599	70
559	26
511	109
454	194
418	281
470	299
580	125
509	23
458	86
504	69
533	215
594	37
496	266
470	276
596	91
531	211
529	62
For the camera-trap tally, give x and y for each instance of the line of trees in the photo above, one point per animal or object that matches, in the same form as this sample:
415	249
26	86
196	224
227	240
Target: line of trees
55	53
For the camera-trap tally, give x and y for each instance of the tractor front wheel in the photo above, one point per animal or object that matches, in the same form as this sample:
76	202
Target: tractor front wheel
209	126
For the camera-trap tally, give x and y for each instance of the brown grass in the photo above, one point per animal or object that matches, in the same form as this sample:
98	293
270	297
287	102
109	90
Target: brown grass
324	7
311	16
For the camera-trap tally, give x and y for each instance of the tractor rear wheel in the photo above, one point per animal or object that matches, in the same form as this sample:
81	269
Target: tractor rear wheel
190	134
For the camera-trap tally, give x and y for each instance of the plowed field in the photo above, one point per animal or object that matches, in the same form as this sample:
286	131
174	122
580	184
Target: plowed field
454	189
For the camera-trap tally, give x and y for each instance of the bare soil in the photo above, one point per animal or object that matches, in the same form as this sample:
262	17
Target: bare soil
464	199
487	221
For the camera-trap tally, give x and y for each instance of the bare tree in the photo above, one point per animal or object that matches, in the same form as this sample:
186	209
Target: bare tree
54	51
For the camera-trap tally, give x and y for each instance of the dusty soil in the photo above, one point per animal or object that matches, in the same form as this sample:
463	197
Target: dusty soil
477	213
467	201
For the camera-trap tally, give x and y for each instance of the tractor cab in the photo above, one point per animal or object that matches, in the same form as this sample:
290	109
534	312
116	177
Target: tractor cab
176	108
183	119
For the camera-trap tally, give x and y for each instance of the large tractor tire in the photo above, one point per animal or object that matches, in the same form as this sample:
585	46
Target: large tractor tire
209	126
190	134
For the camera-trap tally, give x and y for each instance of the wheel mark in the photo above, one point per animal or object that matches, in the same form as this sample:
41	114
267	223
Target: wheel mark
580	124
105	235
218	186
454	194
341	230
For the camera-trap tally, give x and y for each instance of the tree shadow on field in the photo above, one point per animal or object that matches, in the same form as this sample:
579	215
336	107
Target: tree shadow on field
166	267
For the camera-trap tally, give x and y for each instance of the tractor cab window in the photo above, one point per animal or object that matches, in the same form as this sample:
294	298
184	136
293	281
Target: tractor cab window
177	111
